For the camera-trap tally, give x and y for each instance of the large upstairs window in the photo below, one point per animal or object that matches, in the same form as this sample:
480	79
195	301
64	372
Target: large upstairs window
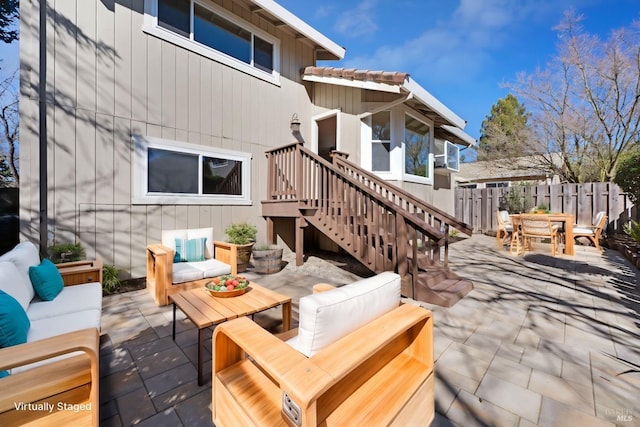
216	33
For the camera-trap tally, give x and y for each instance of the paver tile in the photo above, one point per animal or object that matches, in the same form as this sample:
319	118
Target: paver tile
469	410
558	413
518	400
577	395
511	371
135	407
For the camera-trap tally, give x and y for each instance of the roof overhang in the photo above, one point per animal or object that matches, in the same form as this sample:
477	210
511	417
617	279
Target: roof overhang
448	125
455	135
326	48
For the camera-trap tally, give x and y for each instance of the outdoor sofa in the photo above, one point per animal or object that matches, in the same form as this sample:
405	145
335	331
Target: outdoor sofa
359	358
49	333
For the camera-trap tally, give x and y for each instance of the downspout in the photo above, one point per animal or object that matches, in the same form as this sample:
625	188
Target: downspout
42	104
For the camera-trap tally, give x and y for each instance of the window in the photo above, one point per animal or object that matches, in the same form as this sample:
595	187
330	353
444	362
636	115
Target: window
172	172
215	33
380	141
417	137
447	155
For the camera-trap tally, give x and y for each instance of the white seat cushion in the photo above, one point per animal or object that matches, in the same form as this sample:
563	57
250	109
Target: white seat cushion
328	316
71	299
508	227
51	326
210	267
12	282
583	230
186	272
23	256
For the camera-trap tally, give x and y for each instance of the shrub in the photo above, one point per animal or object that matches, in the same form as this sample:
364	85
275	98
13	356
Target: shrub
241	233
632	228
628	174
110	281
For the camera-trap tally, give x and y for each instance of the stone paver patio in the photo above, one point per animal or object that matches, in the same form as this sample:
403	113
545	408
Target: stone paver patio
541	340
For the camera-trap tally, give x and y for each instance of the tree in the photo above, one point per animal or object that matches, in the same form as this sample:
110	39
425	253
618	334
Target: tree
504	132
586	103
9	12
9	133
628	174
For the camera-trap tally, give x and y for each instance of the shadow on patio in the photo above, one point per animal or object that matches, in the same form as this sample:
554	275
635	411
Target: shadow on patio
541	340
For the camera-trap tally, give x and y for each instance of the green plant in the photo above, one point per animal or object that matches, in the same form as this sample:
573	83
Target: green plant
542	207
241	233
518	199
110	281
628	174
454	233
66	252
632	229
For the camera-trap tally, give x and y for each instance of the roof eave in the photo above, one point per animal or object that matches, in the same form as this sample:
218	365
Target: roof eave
432	103
461	136
330	50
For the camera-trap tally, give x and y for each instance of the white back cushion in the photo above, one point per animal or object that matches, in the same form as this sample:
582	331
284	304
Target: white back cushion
598	218
12	282
207	232
328	316
23	256
169	237
505	216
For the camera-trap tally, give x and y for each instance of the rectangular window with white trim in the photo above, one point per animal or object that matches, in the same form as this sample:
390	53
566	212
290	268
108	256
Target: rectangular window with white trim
173	172
381	141
417	143
214	32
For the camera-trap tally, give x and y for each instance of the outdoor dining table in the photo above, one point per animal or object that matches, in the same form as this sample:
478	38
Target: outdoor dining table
568	221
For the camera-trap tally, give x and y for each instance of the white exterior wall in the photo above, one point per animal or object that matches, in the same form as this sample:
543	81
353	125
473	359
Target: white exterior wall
108	80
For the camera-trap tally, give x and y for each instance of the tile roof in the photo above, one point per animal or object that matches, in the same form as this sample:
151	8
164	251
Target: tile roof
388	77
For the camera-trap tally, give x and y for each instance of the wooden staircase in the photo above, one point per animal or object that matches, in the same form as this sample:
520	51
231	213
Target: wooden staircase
379	224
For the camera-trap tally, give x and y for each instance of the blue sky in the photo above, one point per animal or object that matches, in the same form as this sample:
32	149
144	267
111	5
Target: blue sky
461	51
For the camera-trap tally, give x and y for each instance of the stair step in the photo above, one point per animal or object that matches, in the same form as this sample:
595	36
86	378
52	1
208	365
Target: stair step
445	293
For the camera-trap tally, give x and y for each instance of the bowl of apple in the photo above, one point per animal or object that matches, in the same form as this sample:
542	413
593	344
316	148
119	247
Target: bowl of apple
227	286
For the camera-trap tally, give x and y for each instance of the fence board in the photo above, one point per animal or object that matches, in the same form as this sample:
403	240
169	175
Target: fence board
477	207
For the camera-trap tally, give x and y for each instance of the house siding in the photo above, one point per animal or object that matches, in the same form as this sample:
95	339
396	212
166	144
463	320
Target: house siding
106	81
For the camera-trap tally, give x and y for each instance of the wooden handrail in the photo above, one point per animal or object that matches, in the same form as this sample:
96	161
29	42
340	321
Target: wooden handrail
404	196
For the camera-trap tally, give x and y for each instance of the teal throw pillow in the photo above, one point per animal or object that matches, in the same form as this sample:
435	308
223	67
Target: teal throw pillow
14	323
46	280
190	250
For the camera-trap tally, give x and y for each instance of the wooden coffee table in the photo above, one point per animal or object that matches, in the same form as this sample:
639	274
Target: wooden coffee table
205	310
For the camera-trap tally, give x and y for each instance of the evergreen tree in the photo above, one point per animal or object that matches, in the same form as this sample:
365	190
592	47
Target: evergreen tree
504	132
9	12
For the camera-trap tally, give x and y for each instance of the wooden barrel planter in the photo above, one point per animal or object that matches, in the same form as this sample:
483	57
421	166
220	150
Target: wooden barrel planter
267	261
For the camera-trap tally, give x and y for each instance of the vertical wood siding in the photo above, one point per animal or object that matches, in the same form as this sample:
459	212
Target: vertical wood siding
106	81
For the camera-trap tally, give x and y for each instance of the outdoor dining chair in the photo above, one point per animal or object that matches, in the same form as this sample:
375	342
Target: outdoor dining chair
505	228
592	232
539	227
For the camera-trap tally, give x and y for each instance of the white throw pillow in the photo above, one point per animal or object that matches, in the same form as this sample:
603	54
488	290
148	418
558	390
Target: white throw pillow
328	316
23	256
12	282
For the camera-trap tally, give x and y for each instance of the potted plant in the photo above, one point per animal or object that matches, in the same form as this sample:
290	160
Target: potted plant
267	259
66	252
541	209
242	235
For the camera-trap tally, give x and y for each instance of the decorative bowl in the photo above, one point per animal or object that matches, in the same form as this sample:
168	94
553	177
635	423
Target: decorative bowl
227	286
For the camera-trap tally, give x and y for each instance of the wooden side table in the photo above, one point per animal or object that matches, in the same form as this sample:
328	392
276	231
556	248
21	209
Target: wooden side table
79	272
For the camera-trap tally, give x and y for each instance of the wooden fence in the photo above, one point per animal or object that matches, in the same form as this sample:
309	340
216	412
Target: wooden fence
477	207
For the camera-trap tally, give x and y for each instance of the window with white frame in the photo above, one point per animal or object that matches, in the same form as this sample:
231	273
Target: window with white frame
381	141
172	172
447	155
216	33
417	141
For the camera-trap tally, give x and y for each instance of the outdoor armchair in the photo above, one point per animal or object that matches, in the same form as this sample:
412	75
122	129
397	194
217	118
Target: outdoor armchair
505	228
593	231
539	227
379	373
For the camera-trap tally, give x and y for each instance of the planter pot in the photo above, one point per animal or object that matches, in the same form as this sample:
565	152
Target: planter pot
234	254
267	261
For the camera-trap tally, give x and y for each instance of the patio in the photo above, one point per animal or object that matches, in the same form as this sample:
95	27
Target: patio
541	340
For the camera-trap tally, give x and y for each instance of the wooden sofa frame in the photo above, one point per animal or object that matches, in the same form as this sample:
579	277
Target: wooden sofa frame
160	270
69	387
380	374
